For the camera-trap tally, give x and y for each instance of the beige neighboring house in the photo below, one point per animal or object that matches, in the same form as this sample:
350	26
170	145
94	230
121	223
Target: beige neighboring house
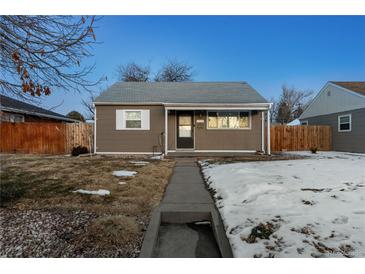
340	105
177	118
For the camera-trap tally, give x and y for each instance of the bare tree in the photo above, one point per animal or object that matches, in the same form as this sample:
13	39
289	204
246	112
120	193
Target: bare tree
133	72
174	71
291	104
89	107
41	53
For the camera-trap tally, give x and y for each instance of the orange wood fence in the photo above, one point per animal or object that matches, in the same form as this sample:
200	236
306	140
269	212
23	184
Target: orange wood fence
291	138
44	138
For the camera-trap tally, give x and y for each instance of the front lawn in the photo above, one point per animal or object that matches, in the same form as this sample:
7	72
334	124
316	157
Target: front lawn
41	215
313	207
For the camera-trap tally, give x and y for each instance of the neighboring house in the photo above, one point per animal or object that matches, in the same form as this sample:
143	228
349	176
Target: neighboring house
16	111
295	122
199	117
342	106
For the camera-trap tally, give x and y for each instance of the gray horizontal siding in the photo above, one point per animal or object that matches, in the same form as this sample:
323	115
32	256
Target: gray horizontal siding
353	141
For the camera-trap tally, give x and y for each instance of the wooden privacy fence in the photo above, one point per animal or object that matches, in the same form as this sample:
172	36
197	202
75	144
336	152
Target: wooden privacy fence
44	138
79	134
291	138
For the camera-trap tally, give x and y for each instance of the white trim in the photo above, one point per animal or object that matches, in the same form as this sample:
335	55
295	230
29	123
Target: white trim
268	133
178	105
126	153
95	129
323	90
348	90
217	108
246	128
262	131
192	151
166	130
350	122
145	119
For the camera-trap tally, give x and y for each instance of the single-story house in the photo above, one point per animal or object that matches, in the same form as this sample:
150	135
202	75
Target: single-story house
342	106
15	111
179	117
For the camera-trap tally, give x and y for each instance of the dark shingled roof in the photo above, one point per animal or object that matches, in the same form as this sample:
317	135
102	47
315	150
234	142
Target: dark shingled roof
10	104
181	92
358	87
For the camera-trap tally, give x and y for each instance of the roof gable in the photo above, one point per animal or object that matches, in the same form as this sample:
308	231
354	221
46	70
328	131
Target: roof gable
358	87
181	92
333	99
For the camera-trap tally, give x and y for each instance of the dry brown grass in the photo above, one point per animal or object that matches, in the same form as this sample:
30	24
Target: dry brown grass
41	182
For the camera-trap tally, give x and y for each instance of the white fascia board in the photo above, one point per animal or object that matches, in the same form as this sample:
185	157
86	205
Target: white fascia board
303	115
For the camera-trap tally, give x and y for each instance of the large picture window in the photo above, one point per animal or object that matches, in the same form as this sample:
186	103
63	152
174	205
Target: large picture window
229	120
344	123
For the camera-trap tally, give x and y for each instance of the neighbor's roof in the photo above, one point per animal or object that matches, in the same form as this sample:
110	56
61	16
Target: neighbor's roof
181	92
13	105
358	87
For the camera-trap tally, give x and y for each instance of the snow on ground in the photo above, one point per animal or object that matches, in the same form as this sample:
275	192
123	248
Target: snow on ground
157	157
313	207
124	173
101	192
139	163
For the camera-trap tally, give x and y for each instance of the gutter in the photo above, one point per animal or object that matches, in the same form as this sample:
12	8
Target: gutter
39	114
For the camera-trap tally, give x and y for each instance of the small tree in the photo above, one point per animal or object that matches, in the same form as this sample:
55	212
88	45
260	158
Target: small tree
76	116
133	72
291	104
174	71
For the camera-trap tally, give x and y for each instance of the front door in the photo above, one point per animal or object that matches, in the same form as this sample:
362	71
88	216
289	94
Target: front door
185	129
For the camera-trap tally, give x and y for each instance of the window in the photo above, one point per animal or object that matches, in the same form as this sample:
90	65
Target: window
185	126
229	120
133	119
344	123
11	117
304	123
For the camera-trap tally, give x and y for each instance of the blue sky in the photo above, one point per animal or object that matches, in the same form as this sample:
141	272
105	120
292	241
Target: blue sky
266	51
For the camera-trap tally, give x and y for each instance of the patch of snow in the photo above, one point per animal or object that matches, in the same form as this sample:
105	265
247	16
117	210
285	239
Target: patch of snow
124	173
316	205
139	163
101	192
295	122
122	183
157	157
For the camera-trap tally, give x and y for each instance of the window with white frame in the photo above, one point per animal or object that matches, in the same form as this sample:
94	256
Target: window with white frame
229	120
344	123
132	119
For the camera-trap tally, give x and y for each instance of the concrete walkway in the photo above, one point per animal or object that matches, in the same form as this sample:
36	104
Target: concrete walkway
186	185
173	232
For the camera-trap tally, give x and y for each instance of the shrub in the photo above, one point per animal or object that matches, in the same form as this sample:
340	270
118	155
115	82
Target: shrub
314	149
76	151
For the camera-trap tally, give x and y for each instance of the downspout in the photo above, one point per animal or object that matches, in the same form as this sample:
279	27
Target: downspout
94	128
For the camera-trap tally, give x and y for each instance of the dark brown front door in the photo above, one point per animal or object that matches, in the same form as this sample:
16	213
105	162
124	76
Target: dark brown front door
185	129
